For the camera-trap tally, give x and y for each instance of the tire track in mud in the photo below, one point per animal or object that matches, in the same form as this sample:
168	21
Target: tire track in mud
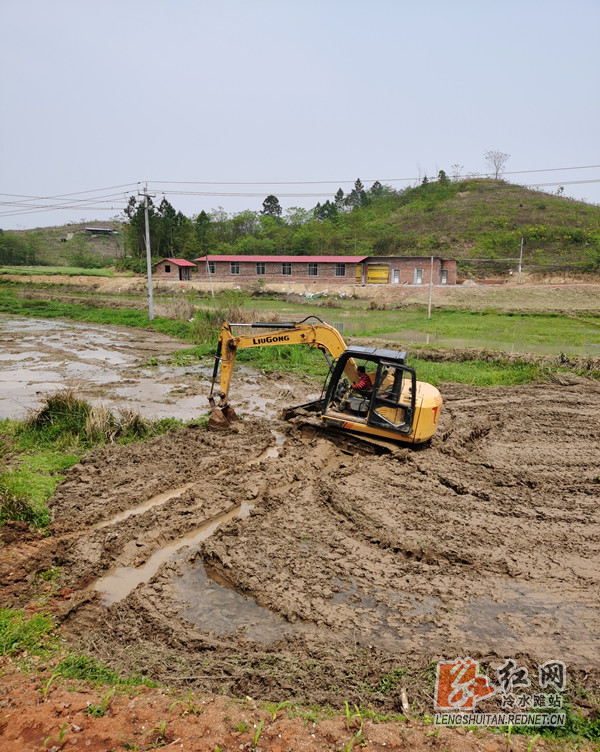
485	543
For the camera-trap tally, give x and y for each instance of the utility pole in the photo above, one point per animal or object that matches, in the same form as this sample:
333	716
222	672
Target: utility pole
212	291
430	289
148	255
520	262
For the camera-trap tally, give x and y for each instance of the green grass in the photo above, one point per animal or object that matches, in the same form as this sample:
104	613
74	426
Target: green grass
69	271
85	668
19	632
50	309
478	372
52	440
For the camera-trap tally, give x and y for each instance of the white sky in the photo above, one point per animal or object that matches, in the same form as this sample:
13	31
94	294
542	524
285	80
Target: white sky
105	93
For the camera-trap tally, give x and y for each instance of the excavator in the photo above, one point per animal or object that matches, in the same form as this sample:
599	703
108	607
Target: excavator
395	407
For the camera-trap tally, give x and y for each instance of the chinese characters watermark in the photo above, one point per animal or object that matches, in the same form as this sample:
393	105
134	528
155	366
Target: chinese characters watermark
459	686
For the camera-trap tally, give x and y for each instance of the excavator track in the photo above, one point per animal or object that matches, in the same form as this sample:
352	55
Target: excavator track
311	427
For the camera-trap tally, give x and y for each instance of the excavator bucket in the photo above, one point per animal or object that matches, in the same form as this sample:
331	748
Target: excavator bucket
222	418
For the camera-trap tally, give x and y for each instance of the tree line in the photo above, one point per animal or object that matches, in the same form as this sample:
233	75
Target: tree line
355	222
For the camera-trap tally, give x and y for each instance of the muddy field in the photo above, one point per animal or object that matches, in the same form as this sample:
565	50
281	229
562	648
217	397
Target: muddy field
485	543
271	562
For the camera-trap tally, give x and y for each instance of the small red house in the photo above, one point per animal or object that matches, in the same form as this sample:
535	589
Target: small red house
179	270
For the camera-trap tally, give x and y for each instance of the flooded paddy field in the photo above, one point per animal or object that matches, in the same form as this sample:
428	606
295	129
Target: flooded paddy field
270	562
119	367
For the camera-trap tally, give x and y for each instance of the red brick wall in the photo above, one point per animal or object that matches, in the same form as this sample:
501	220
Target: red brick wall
160	271
325	272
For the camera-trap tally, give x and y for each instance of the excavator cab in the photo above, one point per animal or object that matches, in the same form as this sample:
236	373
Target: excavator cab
389	406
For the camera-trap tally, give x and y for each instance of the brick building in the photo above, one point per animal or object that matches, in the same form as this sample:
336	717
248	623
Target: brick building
175	269
243	269
404	270
409	270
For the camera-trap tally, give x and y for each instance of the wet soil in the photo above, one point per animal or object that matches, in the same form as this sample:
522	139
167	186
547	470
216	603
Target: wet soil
269	561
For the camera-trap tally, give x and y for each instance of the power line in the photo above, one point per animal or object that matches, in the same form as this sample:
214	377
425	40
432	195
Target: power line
25	206
75	193
366	180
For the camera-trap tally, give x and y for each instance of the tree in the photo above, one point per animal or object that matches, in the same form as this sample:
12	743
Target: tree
296	216
339	199
202	226
327	211
271	207
456	171
135	233
357	196
497	161
442	178
377	189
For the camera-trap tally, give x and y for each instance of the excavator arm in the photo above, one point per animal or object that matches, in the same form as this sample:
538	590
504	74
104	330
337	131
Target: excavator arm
319	335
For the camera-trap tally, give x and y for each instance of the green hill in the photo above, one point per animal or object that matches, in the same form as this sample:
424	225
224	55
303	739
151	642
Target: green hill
470	219
67	245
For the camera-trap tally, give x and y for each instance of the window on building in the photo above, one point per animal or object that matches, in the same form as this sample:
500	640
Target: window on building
234	267
313	270
340	270
418	276
286	268
444	276
168	268
212	267
261	267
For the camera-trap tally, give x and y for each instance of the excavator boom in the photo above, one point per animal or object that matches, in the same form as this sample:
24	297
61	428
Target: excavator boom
319	335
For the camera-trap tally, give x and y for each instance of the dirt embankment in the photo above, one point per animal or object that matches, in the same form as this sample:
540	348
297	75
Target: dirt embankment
149	719
534	294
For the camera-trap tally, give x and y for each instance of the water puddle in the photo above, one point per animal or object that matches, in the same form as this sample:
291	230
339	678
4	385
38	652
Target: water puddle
521	613
385	631
119	582
154	501
271	452
215	607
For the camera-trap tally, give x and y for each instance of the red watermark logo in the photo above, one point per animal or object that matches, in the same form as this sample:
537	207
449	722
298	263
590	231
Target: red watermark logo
458	685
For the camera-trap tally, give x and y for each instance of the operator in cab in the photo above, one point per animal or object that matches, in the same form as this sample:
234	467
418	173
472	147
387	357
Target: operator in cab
364	384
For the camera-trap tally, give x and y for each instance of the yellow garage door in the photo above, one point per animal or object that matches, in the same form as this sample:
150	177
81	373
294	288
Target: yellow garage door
378	274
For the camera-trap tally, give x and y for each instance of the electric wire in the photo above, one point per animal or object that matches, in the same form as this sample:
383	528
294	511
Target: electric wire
24	204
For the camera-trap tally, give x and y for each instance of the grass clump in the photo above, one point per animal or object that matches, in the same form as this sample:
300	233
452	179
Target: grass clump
65	420
22	504
86	668
53	439
19	632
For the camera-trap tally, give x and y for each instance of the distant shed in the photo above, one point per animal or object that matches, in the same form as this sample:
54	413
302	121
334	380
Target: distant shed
175	269
100	231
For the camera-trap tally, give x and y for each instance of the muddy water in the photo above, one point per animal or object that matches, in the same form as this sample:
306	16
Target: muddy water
110	366
214	605
154	501
119	582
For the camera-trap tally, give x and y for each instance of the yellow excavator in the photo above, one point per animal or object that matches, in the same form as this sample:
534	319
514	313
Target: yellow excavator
394	406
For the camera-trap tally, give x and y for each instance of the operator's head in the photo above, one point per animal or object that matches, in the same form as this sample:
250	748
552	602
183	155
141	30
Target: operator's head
361	369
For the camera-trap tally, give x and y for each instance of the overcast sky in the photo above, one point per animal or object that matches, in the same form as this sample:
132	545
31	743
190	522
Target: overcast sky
97	96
